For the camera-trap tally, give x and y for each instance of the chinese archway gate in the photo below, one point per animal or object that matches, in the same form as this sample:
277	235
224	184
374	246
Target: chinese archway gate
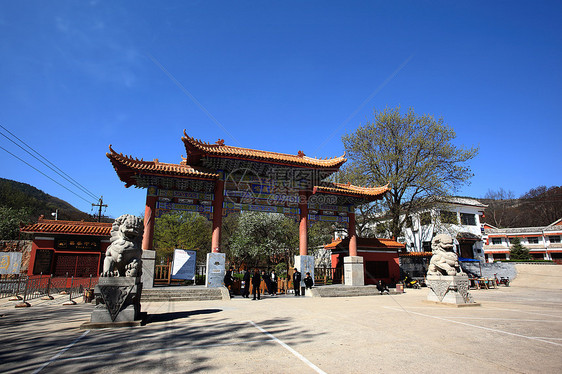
216	179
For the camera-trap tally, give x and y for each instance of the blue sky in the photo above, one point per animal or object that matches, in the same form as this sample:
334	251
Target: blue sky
275	75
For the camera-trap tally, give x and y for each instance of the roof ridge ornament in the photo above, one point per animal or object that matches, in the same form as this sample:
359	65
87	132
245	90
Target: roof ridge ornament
220	142
301	154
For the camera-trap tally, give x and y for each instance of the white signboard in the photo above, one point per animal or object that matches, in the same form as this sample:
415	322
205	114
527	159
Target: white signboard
10	262
183	266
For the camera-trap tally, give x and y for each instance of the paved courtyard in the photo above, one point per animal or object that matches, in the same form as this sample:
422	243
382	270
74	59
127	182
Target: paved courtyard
516	330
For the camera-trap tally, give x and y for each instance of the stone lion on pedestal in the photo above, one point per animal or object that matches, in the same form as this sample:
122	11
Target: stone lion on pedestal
123	256
444	261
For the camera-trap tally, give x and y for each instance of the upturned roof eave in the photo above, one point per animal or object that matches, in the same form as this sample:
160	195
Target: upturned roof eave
196	149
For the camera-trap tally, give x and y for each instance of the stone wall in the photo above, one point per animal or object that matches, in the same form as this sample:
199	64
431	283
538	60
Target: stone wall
502	269
414	267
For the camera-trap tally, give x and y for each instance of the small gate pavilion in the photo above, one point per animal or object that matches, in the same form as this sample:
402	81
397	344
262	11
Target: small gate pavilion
216	179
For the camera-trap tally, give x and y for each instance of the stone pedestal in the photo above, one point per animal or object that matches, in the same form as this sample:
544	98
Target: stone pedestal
118	300
215	270
148	259
449	289
305	264
354	274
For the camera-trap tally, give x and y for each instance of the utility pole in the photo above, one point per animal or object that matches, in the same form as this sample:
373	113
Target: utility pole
100	204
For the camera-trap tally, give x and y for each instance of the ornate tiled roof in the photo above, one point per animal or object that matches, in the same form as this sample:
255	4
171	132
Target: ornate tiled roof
372	193
415	254
460	200
514	231
196	148
127	166
46	226
366	243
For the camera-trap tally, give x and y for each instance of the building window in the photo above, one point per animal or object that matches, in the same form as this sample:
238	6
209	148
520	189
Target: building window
537	256
449	217
468	219
554	239
499	256
496	241
425	218
533	240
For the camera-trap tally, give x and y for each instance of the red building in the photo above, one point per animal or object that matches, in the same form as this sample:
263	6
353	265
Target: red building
75	248
380	258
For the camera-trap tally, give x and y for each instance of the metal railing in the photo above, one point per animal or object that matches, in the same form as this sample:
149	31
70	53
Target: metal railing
44	286
12	286
163	273
323	276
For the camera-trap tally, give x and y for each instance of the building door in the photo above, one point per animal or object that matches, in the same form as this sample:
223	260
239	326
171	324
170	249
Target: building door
376	270
76	265
466	250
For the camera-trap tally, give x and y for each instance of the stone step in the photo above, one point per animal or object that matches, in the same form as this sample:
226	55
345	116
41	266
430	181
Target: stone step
183	294
171	299
346	291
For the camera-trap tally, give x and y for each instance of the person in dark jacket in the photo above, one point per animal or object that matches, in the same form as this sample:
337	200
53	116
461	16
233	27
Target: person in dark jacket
247	278
228	281
308	281
267	281
273	278
256	281
297	282
381	286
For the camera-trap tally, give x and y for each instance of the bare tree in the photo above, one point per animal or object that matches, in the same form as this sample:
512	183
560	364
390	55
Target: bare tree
499	212
412	153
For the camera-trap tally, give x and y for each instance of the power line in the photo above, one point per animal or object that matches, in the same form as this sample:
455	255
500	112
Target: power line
59	172
39	171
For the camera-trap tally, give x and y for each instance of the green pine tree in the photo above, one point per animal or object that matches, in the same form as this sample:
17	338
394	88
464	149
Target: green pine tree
518	252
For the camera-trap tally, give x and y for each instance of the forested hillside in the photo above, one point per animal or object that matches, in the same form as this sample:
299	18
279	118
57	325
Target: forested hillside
539	207
31	202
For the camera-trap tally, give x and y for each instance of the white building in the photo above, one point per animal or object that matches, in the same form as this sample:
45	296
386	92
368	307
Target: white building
456	216
543	243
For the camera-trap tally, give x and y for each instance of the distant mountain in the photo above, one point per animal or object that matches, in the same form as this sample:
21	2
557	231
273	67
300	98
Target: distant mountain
18	195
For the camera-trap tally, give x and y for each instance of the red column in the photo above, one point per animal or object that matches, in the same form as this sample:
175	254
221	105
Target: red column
352	235
217	215
149	217
32	257
303	223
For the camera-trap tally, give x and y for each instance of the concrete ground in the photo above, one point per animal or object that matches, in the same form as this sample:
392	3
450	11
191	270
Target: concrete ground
516	330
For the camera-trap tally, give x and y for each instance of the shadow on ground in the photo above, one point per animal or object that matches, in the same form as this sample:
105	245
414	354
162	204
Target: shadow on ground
170	316
169	342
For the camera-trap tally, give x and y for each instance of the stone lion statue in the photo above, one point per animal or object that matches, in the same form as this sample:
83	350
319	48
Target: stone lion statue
123	256
444	261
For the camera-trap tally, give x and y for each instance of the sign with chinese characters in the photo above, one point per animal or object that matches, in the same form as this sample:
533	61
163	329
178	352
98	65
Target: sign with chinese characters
175	200
10	262
87	243
183	265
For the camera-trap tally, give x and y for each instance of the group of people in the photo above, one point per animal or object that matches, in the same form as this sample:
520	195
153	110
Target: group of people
308	282
270	282
255	280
